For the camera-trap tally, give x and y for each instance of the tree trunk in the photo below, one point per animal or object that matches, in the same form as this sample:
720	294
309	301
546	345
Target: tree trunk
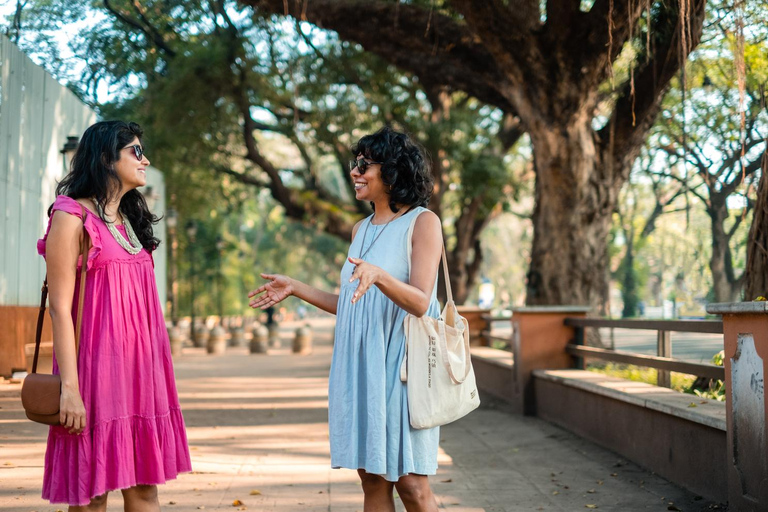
629	282
757	246
725	286
571	219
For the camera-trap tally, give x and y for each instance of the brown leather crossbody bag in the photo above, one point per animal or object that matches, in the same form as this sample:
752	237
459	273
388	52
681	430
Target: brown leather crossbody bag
41	393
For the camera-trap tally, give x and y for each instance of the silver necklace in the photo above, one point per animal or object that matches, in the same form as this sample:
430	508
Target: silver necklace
132	245
376	235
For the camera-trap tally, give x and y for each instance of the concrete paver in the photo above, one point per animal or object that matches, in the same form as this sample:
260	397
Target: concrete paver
258	434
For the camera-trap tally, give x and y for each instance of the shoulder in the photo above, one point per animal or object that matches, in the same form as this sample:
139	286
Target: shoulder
75	207
65	223
427	222
357	227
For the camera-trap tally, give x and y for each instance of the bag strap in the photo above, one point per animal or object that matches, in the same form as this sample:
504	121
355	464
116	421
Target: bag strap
80	300
443	258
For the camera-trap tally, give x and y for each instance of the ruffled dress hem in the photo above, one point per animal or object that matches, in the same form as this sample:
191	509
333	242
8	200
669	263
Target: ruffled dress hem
144	439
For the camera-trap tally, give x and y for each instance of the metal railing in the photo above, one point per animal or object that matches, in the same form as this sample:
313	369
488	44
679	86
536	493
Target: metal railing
663	361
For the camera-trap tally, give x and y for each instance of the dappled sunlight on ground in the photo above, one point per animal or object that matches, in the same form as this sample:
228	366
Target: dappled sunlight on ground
258	433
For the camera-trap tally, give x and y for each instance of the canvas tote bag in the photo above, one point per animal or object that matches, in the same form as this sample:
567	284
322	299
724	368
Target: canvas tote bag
437	366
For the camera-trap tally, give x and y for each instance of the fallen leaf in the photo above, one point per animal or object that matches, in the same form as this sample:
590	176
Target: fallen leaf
201	507
614	474
599	482
171	502
591	491
555	493
692	405
590	505
237	503
447	481
255	493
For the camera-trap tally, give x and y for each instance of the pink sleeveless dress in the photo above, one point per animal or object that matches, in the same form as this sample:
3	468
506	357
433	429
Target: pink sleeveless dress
134	432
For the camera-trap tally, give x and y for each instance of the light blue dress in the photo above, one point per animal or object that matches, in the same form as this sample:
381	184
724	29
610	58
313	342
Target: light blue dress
368	404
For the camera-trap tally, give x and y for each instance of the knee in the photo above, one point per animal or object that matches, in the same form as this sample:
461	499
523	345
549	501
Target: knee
145	493
98	502
412	490
372	483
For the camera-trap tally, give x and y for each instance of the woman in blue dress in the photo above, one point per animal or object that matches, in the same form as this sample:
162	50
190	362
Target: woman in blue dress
391	270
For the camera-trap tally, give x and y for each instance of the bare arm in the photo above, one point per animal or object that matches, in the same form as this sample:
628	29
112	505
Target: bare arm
62	248
414	296
281	287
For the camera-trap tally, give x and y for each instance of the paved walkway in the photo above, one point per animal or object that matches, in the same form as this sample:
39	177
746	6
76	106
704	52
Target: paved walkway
258	433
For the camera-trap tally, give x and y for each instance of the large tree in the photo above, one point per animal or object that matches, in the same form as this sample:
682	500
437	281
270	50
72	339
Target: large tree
229	96
546	67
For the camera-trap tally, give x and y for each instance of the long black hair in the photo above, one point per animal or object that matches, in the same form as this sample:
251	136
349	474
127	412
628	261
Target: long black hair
92	176
406	168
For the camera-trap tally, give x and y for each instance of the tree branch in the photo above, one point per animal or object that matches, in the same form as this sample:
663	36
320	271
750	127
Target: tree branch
634	113
426	43
148	30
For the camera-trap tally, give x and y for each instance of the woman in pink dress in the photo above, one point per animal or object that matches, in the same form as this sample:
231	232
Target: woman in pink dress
121	425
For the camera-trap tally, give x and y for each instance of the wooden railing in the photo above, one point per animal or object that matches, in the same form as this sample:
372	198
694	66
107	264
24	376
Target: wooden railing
488	333
663	361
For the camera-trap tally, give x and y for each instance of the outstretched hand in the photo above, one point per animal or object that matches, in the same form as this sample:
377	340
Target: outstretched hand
276	290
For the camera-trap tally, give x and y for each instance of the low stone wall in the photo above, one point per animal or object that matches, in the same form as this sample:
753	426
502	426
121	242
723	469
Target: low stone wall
680	437
18	328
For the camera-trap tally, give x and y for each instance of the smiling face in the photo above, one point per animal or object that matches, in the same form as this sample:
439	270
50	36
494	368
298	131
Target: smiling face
368	185
131	170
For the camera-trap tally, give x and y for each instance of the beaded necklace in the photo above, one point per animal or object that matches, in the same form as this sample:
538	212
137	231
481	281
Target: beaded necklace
132	245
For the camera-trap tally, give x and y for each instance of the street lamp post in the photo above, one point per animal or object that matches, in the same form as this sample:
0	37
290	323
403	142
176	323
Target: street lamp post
172	221
191	233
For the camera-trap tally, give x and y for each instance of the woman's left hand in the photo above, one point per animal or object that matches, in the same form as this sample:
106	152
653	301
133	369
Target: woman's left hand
367	274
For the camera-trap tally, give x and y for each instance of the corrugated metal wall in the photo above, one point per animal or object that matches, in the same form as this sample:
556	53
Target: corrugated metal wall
37	114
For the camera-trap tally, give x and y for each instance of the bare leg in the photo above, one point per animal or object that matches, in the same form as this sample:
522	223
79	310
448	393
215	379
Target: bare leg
416	494
142	498
378	493
97	504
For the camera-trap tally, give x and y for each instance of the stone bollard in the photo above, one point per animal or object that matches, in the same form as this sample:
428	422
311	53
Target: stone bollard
201	336
745	336
302	343
174	336
237	338
217	342
259	342
274	336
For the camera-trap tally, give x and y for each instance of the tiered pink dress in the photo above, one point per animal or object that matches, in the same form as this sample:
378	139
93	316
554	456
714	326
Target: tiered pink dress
134	432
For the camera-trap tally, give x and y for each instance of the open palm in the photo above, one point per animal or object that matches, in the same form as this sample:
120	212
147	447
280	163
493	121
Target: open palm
276	290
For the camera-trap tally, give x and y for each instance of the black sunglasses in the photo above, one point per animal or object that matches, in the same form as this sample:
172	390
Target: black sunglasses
137	150
361	164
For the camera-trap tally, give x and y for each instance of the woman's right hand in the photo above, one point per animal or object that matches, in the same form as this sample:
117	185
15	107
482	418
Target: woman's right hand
276	290
72	411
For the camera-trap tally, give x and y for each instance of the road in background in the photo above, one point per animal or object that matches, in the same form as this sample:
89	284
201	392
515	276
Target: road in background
693	347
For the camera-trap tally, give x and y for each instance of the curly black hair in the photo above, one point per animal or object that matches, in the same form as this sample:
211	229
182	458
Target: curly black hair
405	168
92	176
